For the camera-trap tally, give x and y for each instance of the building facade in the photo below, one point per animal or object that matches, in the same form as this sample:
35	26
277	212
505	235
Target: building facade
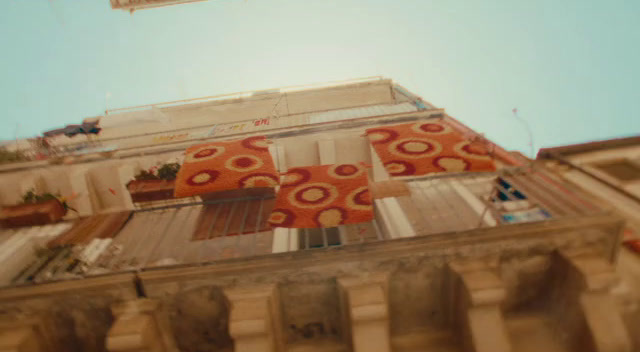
511	259
610	171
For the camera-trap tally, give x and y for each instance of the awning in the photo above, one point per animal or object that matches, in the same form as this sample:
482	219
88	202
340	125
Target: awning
95	226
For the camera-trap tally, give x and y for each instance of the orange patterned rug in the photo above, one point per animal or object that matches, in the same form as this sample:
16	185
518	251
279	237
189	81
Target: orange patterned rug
427	147
323	196
226	165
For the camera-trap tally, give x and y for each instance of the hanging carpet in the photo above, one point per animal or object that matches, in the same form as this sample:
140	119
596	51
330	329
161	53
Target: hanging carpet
427	147
323	196
226	165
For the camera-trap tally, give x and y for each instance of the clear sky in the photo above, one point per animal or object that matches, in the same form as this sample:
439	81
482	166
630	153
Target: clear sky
572	68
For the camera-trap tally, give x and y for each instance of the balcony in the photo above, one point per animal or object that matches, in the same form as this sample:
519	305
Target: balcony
192	232
192	257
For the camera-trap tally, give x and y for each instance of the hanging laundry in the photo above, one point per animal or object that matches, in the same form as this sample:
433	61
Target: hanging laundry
72	130
226	165
323	196
427	147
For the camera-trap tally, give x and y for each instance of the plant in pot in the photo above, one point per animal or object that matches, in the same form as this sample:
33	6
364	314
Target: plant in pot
157	183
35	209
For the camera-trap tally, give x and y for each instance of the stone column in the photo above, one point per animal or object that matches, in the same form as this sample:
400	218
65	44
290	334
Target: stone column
476	293
365	306
139	327
590	313
24	335
255	319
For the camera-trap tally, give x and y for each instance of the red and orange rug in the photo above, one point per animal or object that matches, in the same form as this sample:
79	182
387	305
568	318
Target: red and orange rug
428	147
323	196
226	165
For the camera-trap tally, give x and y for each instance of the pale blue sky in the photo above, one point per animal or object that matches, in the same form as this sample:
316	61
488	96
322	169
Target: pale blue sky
570	67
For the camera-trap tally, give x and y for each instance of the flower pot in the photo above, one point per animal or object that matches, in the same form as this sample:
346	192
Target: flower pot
633	245
150	190
46	212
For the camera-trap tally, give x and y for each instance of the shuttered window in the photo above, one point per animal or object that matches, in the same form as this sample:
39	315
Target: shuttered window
235	217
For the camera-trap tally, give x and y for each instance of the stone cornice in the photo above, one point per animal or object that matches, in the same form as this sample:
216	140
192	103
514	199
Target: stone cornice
102	284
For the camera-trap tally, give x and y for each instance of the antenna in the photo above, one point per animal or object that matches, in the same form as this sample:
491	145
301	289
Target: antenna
16	136
528	128
107	95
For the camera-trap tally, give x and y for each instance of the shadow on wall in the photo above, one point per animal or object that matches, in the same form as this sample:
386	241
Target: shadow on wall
199	320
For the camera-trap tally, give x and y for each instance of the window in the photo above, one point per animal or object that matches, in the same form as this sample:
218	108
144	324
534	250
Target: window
319	238
513	206
507	192
622	169
233	217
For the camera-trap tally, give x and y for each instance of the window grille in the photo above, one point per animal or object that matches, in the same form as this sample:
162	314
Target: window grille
233	217
319	238
166	203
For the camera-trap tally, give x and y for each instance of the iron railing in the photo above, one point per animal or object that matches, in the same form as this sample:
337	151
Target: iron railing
163	235
465	202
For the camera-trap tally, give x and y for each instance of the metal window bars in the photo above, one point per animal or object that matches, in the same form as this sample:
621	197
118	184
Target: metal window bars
320	237
312	238
166	203
163	235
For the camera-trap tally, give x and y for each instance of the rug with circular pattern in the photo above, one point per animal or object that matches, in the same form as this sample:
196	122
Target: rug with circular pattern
226	165
427	147
322	196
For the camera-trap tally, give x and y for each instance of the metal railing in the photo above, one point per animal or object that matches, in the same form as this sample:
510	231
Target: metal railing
93	144
450	203
246	94
200	232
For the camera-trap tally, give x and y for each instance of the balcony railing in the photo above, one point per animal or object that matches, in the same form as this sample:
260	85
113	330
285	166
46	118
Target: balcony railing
193	233
465	202
94	144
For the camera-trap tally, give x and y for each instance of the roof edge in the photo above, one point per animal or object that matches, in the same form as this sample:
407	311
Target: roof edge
545	153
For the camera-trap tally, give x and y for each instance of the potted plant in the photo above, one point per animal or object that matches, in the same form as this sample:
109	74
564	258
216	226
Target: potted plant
35	209
157	183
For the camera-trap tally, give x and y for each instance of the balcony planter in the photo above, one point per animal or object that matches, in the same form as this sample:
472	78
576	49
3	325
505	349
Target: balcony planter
31	214
154	184
150	190
633	245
